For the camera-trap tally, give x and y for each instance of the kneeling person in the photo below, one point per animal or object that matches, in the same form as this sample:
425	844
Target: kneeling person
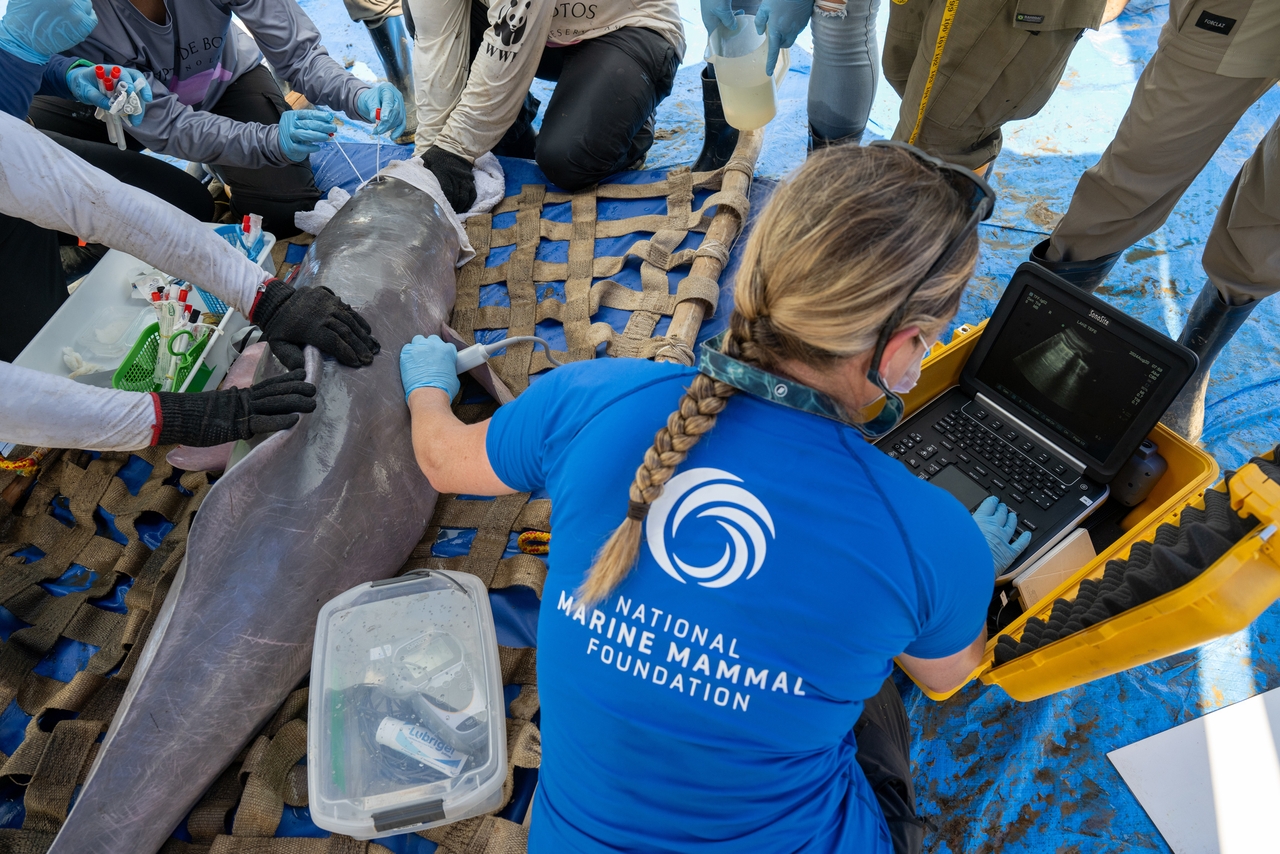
613	61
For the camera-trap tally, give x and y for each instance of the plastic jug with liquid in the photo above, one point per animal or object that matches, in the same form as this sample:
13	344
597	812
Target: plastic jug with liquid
748	94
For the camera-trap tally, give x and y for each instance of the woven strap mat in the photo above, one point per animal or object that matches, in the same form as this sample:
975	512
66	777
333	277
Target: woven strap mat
522	273
67	717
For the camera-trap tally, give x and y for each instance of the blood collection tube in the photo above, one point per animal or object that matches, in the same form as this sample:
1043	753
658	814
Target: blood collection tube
115	72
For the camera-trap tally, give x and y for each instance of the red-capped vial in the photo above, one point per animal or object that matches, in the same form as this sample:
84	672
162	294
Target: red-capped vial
155	296
245	226
377	115
182	294
100	72
115	72
109	84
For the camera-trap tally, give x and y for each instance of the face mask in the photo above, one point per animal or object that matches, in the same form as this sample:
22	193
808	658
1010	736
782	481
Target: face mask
912	376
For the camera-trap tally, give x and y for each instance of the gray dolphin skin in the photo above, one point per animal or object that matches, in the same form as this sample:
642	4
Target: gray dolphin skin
313	511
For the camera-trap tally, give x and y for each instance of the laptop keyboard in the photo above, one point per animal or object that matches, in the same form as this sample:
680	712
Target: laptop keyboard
993	454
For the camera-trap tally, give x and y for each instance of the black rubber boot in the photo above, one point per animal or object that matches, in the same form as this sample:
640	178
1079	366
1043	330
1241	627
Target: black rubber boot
817	141
1211	324
1085	275
720	139
521	140
79	261
395	48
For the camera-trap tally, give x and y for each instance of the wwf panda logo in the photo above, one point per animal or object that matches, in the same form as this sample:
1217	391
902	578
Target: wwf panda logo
511	21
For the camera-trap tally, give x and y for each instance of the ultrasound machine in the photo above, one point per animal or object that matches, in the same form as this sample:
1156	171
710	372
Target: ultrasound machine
1058	394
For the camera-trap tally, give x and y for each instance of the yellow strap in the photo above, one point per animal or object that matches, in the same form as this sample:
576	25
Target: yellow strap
944	29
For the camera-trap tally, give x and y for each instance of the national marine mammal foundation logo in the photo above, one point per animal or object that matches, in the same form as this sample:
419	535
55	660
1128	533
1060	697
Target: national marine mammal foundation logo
710	494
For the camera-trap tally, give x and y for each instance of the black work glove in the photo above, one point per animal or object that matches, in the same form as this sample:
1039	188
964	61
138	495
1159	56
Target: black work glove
216	417
290	319
455	176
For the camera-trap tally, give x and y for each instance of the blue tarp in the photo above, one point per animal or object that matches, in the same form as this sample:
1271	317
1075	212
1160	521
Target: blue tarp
992	774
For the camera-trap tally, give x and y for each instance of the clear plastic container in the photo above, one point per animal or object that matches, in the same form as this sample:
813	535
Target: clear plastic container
406	727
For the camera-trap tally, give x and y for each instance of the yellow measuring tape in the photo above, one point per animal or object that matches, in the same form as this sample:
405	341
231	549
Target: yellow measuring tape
944	29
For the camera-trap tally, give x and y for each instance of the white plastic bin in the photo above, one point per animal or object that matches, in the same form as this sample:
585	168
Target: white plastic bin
101	321
406	727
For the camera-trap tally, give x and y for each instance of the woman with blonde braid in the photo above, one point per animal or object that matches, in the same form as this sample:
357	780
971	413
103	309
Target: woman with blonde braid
713	670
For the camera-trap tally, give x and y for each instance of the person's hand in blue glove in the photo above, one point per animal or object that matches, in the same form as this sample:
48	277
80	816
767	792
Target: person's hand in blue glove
34	30
998	524
717	13
387	98
429	363
83	82
785	19
302	132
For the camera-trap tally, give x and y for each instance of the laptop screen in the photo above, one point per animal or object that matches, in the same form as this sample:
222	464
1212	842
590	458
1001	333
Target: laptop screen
1068	369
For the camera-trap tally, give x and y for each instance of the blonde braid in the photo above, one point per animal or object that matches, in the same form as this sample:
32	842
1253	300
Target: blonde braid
694	416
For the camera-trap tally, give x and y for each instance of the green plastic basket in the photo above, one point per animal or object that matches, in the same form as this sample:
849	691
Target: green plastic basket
135	372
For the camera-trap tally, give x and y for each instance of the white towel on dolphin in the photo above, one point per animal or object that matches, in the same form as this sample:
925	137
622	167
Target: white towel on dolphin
491	186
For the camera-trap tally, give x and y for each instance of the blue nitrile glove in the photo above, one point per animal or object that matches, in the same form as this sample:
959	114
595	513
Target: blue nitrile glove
717	13
302	132
429	363
34	30
998	523
786	20
387	97
83	82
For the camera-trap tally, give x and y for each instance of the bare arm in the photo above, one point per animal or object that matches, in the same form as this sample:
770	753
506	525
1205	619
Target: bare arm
1113	10
451	454
941	675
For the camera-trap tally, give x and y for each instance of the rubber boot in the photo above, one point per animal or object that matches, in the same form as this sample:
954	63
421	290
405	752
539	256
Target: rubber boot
79	261
1085	275
395	49
1211	324
719	139
817	140
521	140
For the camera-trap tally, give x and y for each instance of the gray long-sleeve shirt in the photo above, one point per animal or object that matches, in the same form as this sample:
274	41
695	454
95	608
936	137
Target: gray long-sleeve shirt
193	57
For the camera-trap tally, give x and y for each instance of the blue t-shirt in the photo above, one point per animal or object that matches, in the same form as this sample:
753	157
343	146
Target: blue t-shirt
708	703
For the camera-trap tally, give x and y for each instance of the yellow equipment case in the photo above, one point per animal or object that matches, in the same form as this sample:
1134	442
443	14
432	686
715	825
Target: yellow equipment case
1224	598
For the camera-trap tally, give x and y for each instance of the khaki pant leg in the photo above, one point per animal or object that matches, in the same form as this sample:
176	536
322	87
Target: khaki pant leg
1242	256
1177	119
990	72
441	63
371	12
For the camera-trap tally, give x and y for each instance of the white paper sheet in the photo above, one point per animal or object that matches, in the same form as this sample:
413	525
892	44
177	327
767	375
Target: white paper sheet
1212	785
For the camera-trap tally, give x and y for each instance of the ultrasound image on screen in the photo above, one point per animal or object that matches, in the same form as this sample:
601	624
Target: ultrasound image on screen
1071	371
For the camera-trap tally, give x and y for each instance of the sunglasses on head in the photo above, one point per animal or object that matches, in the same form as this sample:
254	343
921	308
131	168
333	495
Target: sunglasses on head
980	199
